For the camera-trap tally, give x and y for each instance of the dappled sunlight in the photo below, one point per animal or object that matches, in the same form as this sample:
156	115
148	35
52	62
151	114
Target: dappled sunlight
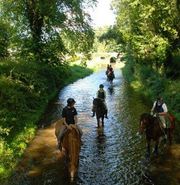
169	164
41	152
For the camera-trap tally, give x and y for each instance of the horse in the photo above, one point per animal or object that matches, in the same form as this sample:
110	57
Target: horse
100	110
110	76
71	145
154	130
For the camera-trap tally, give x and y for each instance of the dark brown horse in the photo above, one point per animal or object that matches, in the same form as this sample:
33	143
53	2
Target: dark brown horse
100	110
154	130
71	144
110	76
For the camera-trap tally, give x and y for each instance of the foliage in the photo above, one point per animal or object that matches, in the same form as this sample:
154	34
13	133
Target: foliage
148	32
38	36
4	39
25	90
151	84
46	30
101	43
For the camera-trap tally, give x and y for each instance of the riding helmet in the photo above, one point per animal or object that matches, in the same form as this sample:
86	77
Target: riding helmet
70	101
101	86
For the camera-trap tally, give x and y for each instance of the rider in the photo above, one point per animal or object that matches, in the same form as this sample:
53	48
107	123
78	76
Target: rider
69	115
101	93
160	108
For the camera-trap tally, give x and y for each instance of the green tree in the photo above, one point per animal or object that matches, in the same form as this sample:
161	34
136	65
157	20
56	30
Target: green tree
149	31
43	25
4	40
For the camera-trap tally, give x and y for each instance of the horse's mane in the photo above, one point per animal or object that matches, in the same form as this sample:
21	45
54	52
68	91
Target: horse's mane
146	116
151	119
72	135
72	143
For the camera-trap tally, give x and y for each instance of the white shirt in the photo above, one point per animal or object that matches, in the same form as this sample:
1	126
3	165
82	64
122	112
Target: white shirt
163	106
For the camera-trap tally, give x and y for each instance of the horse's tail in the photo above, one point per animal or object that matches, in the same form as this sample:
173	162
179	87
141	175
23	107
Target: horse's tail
172	120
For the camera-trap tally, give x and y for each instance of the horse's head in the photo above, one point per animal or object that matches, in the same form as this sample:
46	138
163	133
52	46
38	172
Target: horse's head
145	120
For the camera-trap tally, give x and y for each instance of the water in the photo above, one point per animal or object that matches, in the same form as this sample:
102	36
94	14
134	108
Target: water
113	155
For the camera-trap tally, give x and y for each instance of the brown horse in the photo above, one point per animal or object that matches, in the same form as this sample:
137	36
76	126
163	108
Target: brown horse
100	110
71	144
110	76
154	130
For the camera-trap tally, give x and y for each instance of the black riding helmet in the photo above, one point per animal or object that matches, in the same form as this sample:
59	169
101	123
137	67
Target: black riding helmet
70	101
101	86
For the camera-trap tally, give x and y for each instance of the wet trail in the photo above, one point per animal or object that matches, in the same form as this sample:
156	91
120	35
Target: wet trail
113	155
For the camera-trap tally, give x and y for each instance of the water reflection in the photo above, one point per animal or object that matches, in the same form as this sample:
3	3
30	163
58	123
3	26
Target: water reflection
111	90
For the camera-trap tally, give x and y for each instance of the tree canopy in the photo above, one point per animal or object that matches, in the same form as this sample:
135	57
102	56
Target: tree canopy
46	29
149	31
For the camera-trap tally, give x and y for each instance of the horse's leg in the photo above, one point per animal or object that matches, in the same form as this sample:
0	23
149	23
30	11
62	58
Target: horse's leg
148	148
111	82
103	121
98	122
156	148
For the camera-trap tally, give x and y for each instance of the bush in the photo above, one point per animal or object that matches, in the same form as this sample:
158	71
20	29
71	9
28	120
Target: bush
4	40
25	90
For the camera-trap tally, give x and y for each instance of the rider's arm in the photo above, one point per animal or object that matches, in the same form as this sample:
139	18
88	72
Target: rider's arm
64	117
97	94
154	104
76	119
75	116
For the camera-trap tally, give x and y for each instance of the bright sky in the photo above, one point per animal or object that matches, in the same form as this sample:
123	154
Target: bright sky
102	14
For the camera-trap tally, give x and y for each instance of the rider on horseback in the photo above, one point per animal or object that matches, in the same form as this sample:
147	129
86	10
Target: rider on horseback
69	115
160	108
101	93
111	72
